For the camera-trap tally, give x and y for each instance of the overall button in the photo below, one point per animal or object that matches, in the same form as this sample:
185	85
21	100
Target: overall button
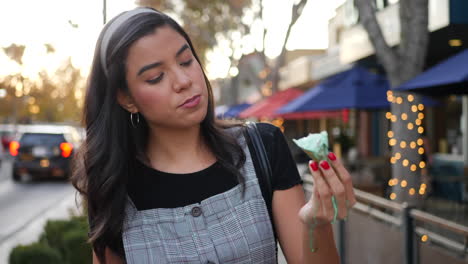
196	211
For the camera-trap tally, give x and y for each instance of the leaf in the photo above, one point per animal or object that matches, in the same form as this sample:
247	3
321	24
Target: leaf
15	52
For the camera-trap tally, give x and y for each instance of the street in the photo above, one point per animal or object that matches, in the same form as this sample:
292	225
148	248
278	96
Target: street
25	207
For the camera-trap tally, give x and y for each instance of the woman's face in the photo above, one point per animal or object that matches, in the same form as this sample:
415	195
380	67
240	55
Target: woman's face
165	80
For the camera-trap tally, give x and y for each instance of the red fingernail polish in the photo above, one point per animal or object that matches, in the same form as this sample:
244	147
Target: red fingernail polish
324	164
331	156
313	165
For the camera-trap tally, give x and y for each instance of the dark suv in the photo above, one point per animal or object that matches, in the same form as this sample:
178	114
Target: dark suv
44	151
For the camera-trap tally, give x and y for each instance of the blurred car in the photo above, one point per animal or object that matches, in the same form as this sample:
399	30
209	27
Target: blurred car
44	151
7	133
2	154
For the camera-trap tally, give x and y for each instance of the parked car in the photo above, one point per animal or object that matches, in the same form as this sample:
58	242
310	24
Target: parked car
7	133
2	154
44	151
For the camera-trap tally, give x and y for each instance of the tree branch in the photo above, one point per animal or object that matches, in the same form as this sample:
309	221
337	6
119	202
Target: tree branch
263	34
295	14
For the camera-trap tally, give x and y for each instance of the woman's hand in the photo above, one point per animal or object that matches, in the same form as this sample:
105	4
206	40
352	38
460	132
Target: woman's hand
332	194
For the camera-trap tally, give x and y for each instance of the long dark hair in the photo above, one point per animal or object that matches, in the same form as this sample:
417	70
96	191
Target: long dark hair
106	158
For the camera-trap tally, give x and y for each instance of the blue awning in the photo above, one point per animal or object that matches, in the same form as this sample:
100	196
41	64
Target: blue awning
354	88
234	110
447	77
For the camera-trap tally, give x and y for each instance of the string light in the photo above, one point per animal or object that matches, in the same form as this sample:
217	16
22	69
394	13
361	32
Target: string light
405	162
422	189
422	164
424	238
402	144
403	183
392	182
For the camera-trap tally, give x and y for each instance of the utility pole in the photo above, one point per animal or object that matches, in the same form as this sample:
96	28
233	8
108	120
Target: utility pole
104	11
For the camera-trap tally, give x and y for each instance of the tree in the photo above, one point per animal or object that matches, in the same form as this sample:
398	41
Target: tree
401	64
296	12
207	21
204	20
52	97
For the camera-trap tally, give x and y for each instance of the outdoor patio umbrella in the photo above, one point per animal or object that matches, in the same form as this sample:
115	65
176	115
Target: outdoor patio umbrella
234	110
448	77
354	88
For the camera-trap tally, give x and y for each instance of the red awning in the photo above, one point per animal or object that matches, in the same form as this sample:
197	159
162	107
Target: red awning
312	115
267	107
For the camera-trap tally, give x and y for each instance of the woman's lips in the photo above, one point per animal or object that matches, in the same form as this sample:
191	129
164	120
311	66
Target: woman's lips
192	102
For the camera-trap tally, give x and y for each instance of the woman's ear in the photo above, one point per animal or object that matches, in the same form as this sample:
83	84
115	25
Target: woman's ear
126	102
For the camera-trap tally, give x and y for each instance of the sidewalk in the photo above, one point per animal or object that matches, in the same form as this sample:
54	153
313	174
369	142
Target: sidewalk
31	232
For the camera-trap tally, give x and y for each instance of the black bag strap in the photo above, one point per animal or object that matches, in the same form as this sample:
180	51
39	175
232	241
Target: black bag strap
263	162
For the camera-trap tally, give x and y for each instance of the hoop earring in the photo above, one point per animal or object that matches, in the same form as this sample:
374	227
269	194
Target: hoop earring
137	119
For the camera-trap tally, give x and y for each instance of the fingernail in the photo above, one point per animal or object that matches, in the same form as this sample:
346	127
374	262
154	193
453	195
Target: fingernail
331	156
324	164
313	165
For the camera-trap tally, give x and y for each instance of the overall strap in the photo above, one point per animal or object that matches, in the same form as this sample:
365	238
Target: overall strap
252	134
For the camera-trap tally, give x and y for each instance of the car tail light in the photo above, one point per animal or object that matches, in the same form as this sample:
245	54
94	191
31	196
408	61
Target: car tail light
14	146
66	149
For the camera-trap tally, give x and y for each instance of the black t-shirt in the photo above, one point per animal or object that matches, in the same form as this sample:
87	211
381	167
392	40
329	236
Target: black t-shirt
150	188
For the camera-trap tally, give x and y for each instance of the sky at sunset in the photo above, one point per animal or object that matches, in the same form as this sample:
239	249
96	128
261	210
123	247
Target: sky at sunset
33	23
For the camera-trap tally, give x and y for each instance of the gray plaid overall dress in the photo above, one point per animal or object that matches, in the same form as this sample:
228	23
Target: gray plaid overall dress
224	228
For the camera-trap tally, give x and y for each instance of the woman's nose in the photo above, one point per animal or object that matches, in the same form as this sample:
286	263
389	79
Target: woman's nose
181	80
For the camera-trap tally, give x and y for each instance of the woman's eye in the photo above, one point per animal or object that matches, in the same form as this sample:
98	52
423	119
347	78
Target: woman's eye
155	80
187	63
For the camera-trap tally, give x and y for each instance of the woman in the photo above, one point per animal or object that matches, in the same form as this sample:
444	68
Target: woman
165	182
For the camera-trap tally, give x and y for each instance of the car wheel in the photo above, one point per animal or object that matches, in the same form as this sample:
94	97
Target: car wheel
66	176
16	177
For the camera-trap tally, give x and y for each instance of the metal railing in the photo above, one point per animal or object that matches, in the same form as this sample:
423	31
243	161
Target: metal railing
407	219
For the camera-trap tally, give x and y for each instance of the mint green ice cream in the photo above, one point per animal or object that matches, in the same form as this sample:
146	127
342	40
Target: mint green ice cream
315	145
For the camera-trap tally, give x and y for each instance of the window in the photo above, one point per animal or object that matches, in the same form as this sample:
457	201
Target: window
41	139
